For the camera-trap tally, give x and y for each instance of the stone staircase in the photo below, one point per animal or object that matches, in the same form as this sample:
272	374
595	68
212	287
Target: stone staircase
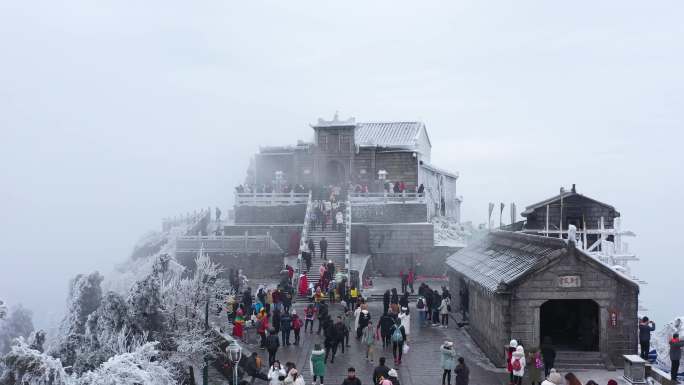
335	252
574	360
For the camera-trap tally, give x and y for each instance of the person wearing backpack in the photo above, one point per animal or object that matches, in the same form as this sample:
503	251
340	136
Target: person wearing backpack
518	363
398	336
272	345
296	326
675	356
420	307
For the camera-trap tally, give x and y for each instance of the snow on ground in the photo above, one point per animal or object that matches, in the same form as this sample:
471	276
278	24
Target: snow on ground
450	233
660	341
136	268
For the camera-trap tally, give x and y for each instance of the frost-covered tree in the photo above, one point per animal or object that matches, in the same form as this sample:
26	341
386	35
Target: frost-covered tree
186	300
145	304
3	310
139	367
85	295
37	340
18	323
105	324
27	366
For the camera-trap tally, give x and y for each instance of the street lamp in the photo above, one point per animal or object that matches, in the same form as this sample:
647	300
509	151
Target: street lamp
235	354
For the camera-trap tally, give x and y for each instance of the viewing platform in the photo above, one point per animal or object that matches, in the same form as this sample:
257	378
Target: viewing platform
251	244
386	198
271	199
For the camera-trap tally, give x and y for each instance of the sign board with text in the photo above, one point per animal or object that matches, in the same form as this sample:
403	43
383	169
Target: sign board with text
569	281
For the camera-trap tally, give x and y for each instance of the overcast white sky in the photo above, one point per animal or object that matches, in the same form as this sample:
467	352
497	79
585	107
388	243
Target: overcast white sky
114	114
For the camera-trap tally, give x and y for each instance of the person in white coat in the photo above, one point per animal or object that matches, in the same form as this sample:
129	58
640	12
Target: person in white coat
294	378
357	314
276	373
405	318
518	364
554	378
444	308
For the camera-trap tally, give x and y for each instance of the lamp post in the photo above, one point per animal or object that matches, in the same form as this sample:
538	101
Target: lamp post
235	354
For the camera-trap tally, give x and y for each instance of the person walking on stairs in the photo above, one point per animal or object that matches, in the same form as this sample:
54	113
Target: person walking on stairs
323	245
312	248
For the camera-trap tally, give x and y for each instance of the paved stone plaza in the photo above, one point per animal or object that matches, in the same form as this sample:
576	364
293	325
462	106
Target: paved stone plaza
420	366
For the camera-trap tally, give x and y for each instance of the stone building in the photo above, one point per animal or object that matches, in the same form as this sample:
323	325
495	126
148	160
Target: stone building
528	287
371	154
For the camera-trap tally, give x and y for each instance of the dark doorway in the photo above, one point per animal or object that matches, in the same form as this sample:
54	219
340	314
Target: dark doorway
572	324
334	173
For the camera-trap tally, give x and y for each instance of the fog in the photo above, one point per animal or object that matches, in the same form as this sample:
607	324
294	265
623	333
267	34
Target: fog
115	114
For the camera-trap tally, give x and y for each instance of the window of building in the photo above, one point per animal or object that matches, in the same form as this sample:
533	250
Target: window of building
323	142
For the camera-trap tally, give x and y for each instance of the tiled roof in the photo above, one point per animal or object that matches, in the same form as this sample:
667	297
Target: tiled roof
565	194
388	134
503	256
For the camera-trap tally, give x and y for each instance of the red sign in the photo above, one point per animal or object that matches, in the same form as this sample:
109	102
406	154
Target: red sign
613	318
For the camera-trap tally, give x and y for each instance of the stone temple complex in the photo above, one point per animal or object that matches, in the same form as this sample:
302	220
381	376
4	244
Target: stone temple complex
369	192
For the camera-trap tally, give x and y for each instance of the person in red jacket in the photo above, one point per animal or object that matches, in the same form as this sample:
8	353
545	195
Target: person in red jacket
411	279
512	346
296	326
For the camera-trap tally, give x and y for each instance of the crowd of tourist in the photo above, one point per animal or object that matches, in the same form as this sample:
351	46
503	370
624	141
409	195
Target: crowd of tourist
327	215
269	188
269	313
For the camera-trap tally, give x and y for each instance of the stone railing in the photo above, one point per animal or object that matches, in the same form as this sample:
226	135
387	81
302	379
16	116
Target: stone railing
347	239
386	197
228	244
305	233
270	199
185	219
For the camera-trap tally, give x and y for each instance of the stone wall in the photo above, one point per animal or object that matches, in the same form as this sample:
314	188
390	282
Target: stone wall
286	236
254	266
389	213
293	214
400	167
495	318
488	317
393	247
597	284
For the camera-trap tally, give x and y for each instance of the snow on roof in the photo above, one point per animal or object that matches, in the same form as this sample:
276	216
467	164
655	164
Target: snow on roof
503	256
389	134
439	170
506	256
564	195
